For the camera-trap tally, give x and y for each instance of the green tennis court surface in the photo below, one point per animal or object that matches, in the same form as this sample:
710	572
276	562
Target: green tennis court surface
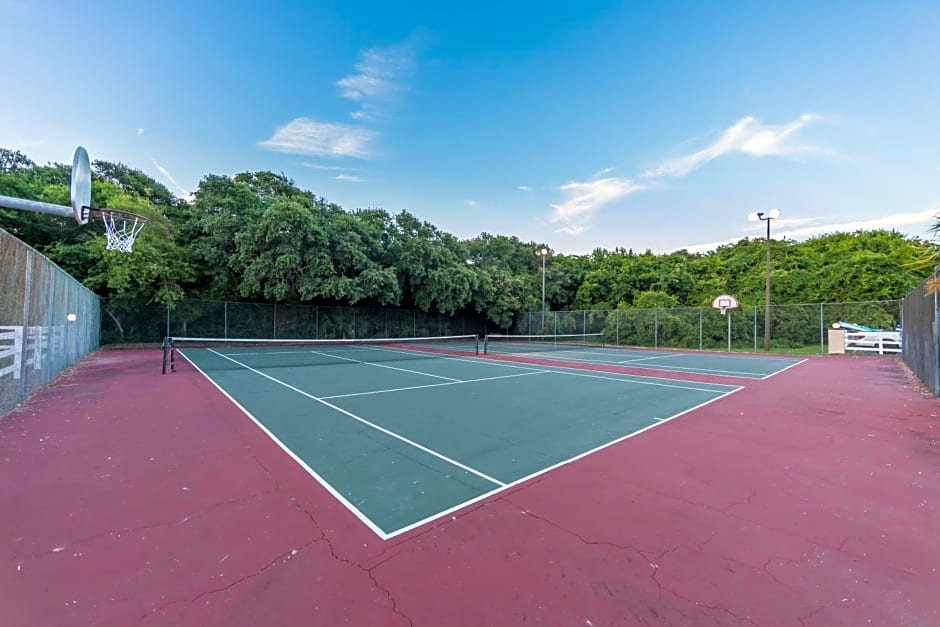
402	436
708	363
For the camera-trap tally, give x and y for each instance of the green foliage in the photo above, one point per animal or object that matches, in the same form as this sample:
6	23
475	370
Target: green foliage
257	236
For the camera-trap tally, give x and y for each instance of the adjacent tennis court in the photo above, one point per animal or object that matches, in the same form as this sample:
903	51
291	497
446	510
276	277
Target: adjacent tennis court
403	432
587	349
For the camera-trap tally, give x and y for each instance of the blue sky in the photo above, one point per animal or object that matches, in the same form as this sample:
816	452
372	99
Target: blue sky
578	124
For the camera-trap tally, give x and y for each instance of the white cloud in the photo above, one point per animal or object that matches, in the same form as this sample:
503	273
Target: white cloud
380	74
349	178
335	168
892	222
573	230
140	132
470	202
525	188
584	197
303	136
747	136
182	193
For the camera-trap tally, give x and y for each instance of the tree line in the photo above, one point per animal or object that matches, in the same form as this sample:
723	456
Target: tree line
256	236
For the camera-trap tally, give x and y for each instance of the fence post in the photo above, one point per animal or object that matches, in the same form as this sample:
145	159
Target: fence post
275	321
617	317
167	321
316	327
656	328
822	330
583	323
700	316
225	320
555	324
755	328
27	298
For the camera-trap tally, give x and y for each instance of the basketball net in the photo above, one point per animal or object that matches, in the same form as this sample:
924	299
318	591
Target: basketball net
121	229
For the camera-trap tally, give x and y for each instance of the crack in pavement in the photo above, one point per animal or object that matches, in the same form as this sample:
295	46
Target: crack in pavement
803	619
282	557
168	523
660	586
357	565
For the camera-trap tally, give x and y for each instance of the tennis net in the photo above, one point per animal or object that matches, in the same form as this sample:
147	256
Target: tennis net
229	353
503	344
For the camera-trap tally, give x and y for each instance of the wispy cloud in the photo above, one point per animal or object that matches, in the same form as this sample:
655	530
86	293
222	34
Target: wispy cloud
747	136
573	230
470	202
380	74
582	198
182	193
896	222
525	188
332	168
304	136
349	178
140	132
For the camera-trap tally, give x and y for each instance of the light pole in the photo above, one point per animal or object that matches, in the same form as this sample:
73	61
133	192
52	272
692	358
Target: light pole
766	217
543	253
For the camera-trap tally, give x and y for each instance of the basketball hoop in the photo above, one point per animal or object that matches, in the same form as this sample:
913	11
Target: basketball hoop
724	303
121	228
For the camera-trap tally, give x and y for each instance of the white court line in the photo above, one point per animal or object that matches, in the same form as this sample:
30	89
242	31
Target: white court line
436	385
576	372
369	363
538	473
737	374
503	486
388	432
787	368
633	361
313	473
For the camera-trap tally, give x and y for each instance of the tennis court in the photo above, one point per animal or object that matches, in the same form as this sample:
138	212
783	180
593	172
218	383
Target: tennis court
579	348
405	432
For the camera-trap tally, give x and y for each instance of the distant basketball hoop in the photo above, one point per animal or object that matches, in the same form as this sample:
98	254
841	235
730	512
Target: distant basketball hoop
725	302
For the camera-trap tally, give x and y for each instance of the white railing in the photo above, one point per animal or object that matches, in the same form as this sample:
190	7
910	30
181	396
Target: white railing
881	342
14	348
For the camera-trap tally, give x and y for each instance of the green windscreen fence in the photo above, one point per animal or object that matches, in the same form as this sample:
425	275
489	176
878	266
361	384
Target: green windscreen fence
48	321
919	335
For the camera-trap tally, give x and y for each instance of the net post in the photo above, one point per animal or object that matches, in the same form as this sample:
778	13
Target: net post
168	356
476	345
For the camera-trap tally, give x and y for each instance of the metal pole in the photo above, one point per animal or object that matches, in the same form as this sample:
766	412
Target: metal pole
656	328
21	204
755	328
225	321
729	330
617	314
543	290
167	321
822	326
767	294
700	328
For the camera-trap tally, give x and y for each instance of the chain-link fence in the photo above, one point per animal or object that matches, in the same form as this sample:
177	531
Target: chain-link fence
135	321
919	337
47	321
794	328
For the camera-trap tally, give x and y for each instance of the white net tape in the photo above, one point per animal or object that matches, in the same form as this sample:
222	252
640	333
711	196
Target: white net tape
121	230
